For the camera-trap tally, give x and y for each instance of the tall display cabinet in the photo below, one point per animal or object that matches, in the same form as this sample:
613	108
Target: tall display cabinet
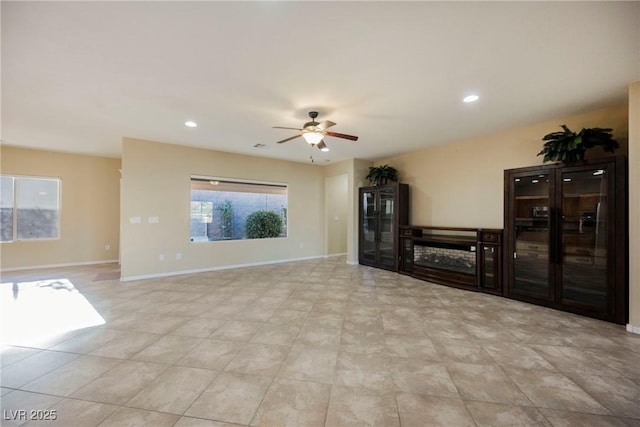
566	240
382	210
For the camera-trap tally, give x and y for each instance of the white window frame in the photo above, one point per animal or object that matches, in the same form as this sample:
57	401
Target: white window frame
15	209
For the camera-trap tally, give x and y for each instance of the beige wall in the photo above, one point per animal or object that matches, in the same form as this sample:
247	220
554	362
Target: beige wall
156	183
634	207
89	219
461	184
338	209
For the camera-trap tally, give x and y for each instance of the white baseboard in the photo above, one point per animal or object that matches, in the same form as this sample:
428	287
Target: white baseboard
204	270
633	329
69	264
353	262
335	255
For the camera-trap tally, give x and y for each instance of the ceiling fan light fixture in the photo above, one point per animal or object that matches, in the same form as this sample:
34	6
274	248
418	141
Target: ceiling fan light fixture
312	137
323	147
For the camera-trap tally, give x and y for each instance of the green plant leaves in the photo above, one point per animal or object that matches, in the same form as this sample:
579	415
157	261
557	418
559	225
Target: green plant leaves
263	224
382	174
568	147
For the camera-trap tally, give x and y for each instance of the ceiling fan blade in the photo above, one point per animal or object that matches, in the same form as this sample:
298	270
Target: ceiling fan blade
289	139
341	135
326	124
280	127
322	146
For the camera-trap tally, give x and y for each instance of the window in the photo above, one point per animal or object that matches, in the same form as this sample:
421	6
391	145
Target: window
220	208
30	208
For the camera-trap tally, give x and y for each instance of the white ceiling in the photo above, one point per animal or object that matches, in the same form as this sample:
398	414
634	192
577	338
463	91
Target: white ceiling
79	76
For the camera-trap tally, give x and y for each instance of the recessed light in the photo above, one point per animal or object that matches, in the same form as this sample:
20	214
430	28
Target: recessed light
190	124
470	98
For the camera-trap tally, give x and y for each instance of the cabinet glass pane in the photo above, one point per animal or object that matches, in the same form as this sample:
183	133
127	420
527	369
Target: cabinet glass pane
386	229
531	259
584	238
489	254
369	226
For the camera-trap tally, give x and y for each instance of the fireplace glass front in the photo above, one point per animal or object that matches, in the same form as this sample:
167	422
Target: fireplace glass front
458	258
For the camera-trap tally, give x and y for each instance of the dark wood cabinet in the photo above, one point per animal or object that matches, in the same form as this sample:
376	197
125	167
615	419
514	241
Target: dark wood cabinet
490	261
382	210
565	230
467	258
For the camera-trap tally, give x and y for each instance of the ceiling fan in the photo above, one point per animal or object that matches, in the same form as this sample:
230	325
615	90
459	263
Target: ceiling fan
314	132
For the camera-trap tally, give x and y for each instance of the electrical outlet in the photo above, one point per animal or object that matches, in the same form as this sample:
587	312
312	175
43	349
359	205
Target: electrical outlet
178	256
161	257
301	245
107	247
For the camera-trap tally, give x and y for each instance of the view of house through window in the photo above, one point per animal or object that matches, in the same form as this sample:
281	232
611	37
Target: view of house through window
231	210
29	208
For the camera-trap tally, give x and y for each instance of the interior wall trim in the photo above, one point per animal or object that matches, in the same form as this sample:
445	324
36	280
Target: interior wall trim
69	264
633	329
221	267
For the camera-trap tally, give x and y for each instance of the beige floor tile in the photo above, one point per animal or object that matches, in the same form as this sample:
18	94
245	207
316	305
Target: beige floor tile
17	405
487	414
199	328
129	417
174	390
310	364
199	422
416	347
88	341
420	411
485	382
462	351
231	398
294	403
236	330
562	418
419	376
276	334
361	407
319	336
394	334
121	383
68	378
167	349
363	342
620	395
552	389
258	359
125	345
10	354
72	412
211	354
516	355
576	360
366	371
32	367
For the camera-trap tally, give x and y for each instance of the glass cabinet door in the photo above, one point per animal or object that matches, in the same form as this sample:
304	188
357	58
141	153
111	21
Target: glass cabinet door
387	250
532	233
369	226
584	238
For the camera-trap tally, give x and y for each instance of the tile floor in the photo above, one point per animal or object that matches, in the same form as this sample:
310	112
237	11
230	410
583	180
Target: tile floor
302	344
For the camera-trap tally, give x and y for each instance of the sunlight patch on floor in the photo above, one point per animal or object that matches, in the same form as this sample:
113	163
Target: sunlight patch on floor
33	312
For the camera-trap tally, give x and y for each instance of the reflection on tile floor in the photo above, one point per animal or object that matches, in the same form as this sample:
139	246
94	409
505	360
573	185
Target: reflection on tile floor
311	343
